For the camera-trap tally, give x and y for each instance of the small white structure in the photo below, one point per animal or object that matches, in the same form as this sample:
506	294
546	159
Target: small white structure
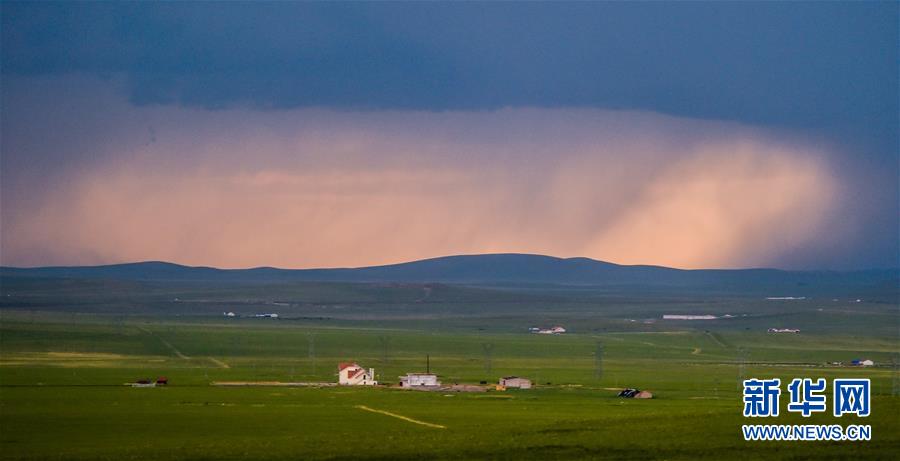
688	317
867	363
351	374
784	330
271	316
515	382
229	314
417	380
557	330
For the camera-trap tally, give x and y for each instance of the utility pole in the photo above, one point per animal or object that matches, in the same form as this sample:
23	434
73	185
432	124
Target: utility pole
385	348
488	349
598	361
743	353
895	385
311	350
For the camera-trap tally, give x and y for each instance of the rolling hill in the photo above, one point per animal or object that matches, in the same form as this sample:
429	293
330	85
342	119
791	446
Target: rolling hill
485	269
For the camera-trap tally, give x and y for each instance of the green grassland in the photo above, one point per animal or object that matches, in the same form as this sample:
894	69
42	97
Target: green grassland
68	346
62	394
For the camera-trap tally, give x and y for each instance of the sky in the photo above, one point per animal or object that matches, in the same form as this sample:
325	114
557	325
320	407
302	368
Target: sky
694	135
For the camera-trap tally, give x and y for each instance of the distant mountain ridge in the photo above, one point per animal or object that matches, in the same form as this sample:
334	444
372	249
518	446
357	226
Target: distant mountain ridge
509	268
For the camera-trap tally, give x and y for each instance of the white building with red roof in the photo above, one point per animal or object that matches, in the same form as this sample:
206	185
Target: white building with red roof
351	374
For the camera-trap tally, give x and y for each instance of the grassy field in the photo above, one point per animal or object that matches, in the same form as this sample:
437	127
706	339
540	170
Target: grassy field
62	394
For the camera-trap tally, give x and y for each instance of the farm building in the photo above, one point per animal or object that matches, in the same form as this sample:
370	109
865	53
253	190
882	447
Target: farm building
515	382
688	317
419	380
351	374
557	330
862	363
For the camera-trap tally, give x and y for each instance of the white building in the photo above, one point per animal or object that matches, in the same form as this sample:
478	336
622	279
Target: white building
419	380
351	374
784	330
557	330
515	382
688	317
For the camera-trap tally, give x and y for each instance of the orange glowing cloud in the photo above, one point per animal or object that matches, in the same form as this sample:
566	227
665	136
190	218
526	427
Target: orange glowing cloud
316	188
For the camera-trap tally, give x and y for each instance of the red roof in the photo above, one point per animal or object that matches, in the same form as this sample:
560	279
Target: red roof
355	373
343	365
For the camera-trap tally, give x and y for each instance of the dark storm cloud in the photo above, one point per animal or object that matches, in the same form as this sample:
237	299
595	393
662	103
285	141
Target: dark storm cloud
79	80
319	187
797	64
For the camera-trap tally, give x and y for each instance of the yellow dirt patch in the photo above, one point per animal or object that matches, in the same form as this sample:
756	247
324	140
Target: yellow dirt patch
69	359
81	355
218	362
404	418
